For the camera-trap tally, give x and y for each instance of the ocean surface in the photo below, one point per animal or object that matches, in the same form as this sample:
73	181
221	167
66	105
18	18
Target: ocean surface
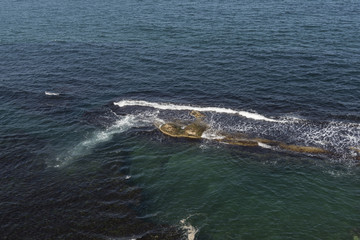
83	82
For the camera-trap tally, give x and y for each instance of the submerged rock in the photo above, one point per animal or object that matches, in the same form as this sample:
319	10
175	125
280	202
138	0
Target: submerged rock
303	149
357	150
239	141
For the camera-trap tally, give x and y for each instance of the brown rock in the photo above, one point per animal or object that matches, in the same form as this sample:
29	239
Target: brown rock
355	149
193	130
303	149
197	128
239	142
197	114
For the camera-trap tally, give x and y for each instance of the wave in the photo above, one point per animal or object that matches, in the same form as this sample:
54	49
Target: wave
339	138
177	107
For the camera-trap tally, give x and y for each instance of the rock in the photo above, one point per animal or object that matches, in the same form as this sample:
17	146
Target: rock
239	141
198	127
171	128
193	130
197	114
303	149
355	149
267	141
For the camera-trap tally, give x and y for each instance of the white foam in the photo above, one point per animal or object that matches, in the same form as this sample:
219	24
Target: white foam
263	145
211	135
51	93
170	106
339	137
190	230
340	173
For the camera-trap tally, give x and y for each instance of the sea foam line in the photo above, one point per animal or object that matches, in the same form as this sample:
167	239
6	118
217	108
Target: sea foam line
170	106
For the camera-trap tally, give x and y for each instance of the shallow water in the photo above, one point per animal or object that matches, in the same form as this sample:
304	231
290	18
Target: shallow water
82	84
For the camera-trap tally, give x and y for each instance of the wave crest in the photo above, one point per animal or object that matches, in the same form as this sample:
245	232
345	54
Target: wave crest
178	107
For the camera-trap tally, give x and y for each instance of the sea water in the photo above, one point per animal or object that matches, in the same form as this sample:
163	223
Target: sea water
82	84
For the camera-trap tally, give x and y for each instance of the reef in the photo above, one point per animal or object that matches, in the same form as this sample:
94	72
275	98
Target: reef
196	129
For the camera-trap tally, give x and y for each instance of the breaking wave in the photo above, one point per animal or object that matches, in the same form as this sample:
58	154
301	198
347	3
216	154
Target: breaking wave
173	107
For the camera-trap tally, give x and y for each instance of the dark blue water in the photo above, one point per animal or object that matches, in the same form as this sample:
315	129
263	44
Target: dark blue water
81	84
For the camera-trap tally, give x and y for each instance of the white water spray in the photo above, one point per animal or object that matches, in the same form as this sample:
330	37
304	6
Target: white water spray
86	146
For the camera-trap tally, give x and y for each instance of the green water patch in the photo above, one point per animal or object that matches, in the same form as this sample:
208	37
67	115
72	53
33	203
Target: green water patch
228	195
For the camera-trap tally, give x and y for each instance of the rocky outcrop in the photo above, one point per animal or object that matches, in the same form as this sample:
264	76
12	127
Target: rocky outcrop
196	129
303	149
193	130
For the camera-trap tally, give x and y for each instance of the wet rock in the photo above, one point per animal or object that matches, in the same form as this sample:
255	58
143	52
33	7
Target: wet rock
356	149
239	142
197	114
198	127
303	149
267	141
193	130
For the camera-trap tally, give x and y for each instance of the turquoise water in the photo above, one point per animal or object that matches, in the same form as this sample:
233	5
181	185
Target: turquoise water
82	84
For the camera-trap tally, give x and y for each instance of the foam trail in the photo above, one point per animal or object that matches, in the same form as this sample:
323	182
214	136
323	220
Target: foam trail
170	106
85	147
